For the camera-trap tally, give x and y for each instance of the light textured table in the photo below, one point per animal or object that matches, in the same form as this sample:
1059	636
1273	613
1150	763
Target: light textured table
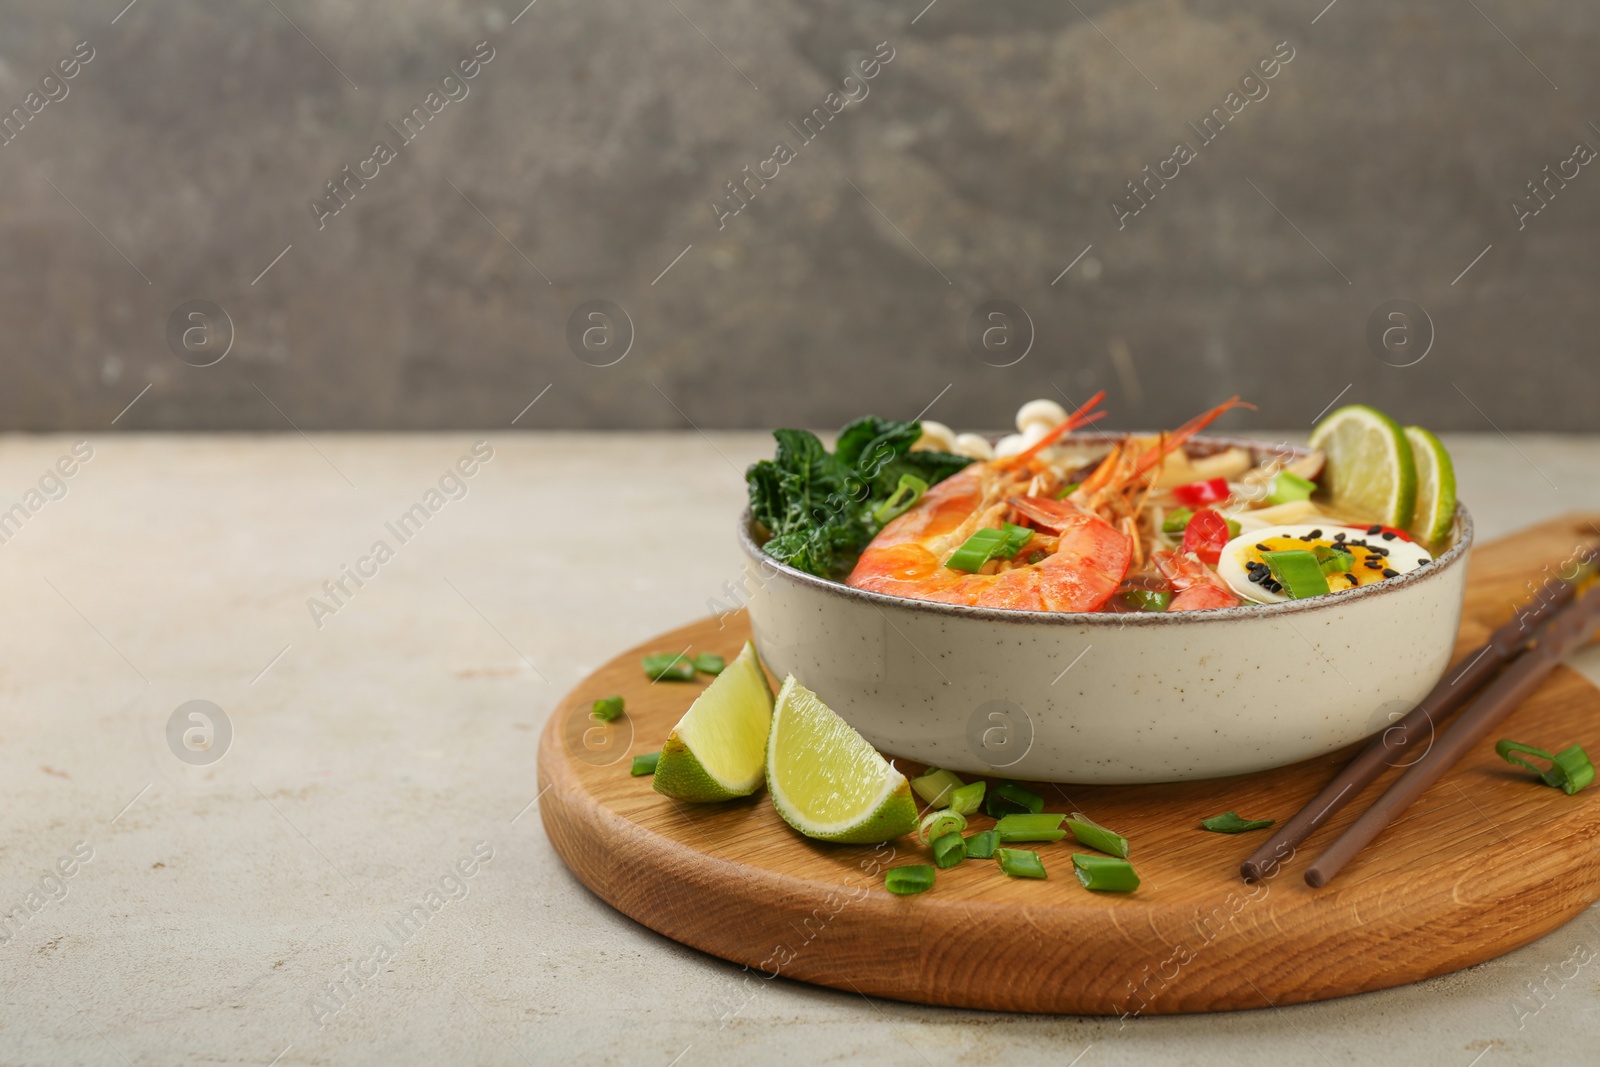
372	753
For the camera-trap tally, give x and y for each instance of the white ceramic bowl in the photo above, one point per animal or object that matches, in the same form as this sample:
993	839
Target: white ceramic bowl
1112	698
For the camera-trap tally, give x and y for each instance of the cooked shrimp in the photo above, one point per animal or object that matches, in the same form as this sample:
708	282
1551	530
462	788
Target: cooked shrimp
1199	587
1074	564
1074	561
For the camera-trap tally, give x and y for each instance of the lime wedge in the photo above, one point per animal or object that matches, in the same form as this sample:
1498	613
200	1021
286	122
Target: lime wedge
1369	469
1436	487
826	781
718	750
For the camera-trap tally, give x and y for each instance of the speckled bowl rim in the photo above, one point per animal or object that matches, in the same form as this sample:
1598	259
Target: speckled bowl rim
1454	556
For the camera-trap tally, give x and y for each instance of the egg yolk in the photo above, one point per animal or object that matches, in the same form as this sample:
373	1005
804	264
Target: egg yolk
1367	562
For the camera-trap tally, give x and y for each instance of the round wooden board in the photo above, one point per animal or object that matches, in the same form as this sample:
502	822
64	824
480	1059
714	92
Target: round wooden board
1486	861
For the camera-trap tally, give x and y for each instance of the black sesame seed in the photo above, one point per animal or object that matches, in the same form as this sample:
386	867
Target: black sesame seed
1314	534
1263	548
1338	537
1374	528
1256	576
1388	535
1390	572
1351	577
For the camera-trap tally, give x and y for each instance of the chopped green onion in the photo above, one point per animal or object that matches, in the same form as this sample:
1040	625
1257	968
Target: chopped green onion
1298	571
1009	797
935	787
986	544
1016	538
1231	822
904	881
645	764
976	550
907	493
1288	487
1018	837
936	824
1570	769
949	850
981	846
968	798
1068	490
1233	527
1020	863
1091	833
1105	873
1177	520
1334	560
1147	599
1029	827
709	663
679	668
606	709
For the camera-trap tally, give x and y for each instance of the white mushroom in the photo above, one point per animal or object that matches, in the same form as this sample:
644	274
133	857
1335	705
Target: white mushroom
936	437
974	446
1046	413
1010	445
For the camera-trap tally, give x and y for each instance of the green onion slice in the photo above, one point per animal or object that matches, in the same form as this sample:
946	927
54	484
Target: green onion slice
1231	822
1007	798
989	543
1177	520
1068	490
1026	826
1298	571
949	850
1088	832
1107	874
1569	770
645	764
606	709
968	798
936	824
976	550
906	494
709	663
981	846
1016	538
935	787
1147	599
1333	560
1288	487
665	668
904	881
1020	863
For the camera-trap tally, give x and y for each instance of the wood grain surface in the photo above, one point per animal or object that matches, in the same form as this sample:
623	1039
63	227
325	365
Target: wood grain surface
1486	861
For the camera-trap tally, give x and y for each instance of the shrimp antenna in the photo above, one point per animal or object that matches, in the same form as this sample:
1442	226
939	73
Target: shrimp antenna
1078	418
1175	440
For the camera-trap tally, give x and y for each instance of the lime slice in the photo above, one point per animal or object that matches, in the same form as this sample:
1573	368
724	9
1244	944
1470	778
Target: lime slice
1436	487
826	781
1369	469
718	750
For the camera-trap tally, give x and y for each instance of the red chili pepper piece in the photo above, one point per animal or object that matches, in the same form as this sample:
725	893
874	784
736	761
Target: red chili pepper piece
1205	535
1207	492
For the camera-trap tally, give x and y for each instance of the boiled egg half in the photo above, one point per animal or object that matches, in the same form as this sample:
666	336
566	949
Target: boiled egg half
1346	557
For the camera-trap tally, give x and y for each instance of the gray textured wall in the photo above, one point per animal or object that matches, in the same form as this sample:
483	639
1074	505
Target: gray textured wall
982	162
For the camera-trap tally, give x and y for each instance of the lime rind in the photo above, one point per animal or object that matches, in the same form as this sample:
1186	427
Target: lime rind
1436	487
718	750
826	781
1369	466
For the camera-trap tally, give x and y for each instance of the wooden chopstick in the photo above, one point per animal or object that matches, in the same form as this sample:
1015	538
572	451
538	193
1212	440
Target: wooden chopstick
1382	752
1569	629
